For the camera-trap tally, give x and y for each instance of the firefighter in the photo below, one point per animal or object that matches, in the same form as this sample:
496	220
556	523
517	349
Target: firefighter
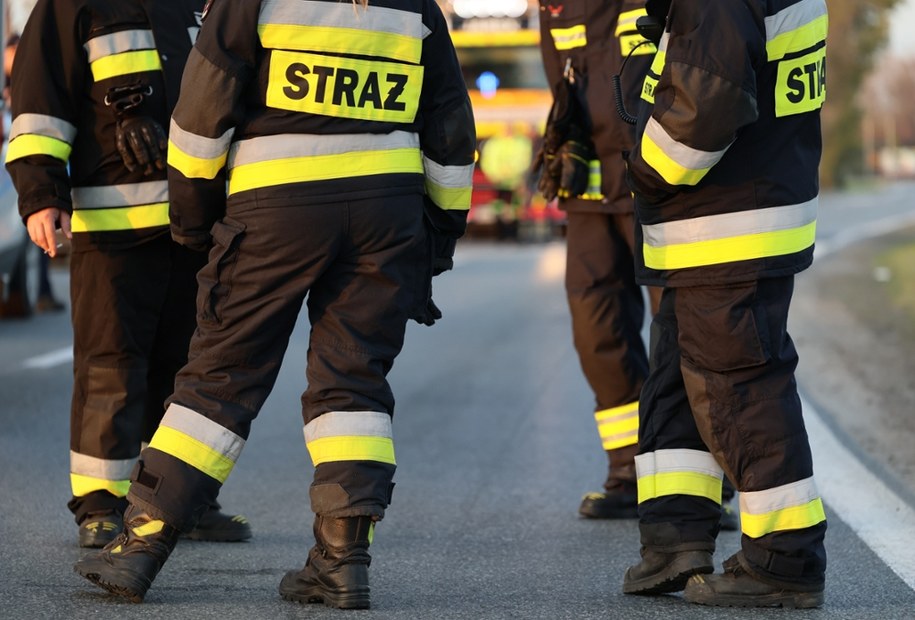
327	151
92	87
726	184
583	44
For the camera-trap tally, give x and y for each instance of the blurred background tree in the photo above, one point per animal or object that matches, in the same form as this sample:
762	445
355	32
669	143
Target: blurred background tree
858	32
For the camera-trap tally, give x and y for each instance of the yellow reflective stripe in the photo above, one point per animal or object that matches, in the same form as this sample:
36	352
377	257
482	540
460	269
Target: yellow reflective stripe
351	448
679	483
126	63
339	40
193	452
449	198
618	426
657	65
730	249
627	20
798	39
84	485
194	167
569	38
150	527
791	518
120	218
344	87
692	166
801	84
323	167
31	144
636	44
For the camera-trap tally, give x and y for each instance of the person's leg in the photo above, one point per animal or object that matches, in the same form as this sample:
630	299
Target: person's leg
679	483
738	367
115	298
358	310
176	325
607	310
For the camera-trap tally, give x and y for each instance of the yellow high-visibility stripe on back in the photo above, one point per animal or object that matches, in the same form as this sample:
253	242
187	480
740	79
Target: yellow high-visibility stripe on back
124	64
84	485
31	144
193	452
120	218
337	40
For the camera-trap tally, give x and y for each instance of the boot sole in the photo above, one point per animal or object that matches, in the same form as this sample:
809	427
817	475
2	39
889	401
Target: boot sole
703	595
134	590
673	578
336	601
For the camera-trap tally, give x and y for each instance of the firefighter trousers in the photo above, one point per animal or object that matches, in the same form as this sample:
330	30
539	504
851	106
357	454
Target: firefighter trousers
133	317
608	311
365	267
721	396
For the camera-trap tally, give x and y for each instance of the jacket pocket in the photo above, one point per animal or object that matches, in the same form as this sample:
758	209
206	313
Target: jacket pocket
215	279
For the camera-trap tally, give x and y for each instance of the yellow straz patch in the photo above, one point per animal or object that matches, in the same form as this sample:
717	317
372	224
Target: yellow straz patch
801	84
344	87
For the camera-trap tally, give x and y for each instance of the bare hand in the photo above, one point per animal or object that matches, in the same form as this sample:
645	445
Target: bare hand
42	225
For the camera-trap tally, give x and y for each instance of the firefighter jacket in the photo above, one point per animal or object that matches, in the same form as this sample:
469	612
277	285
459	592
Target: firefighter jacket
585	42
62	151
725	169
323	101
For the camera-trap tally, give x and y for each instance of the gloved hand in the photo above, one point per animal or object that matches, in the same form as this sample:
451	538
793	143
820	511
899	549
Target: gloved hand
428	314
141	143
572	167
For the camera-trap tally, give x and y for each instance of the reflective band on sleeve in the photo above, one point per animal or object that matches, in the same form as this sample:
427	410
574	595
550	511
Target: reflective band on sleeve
110	469
569	38
350	436
332	27
125	64
118	43
194	156
43	125
198	441
789	507
619	426
796	28
30	144
730	237
84	485
449	187
678	472
120	218
344	87
677	163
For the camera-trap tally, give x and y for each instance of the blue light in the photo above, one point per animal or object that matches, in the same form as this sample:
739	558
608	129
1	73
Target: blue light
488	84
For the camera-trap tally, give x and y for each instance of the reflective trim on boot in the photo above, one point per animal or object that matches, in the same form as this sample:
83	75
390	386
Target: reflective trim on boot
336	572
128	565
660	573
99	529
735	587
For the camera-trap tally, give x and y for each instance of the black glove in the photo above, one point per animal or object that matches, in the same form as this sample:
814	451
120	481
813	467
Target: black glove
140	140
142	144
429	314
573	167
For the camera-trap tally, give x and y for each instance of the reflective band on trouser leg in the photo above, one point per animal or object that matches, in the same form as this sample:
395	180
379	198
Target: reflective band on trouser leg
89	474
198	441
678	472
350	436
791	506
618	426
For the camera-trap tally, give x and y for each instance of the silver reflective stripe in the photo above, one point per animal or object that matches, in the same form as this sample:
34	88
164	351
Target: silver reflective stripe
344	423
199	146
786	496
342	15
283	146
726	225
119	42
206	431
456	177
43	125
676	460
106	469
685	156
129	195
794	17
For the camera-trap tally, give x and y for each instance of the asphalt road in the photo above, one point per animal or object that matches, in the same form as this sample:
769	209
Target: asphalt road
495	445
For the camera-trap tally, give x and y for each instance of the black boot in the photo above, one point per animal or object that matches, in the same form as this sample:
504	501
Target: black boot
216	526
128	564
337	570
100	528
620	498
660	573
736	587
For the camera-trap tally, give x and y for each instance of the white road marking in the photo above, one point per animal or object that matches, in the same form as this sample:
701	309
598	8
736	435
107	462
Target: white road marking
51	359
